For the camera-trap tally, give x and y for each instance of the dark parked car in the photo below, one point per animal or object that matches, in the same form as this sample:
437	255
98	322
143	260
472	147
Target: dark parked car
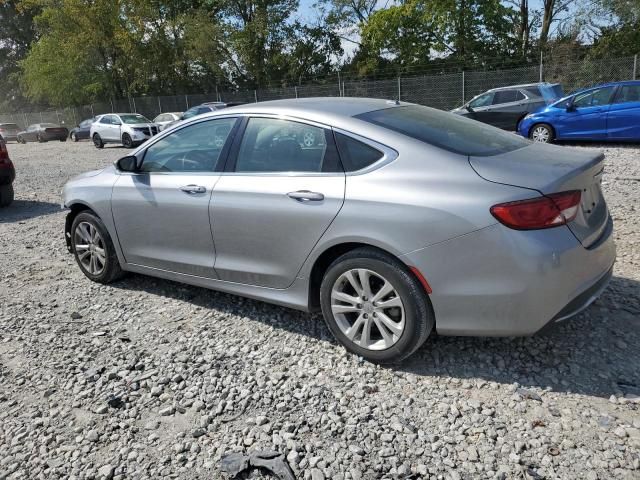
504	107
43	132
606	112
7	176
81	132
8	131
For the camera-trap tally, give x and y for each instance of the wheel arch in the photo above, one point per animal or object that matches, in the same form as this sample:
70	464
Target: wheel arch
327	257
74	209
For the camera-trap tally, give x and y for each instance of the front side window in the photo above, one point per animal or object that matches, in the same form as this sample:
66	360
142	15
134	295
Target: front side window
454	133
86	123
481	101
274	145
594	98
356	155
628	93
195	148
106	120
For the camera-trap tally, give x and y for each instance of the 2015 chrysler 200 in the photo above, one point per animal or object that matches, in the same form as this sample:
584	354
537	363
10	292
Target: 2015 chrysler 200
393	219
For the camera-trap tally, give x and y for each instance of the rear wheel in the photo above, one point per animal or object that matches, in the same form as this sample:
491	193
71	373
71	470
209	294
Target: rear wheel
40	139
93	249
542	133
97	141
375	306
6	195
127	141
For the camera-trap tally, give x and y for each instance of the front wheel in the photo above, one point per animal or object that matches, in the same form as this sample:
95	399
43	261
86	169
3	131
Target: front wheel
6	195
374	306
97	141
93	249
127	141
541	133
21	140
73	137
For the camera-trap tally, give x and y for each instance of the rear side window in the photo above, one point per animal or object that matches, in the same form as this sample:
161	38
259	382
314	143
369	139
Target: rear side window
445	130
276	145
354	154
602	96
507	96
533	92
628	93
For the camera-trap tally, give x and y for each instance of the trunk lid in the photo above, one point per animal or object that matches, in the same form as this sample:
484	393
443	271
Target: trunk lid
552	169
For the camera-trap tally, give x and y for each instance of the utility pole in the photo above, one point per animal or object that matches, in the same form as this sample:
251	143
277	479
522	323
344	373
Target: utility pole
635	66
463	94
399	88
541	68
339	85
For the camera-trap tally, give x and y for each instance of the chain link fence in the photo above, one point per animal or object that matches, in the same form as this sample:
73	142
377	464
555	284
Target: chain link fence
444	90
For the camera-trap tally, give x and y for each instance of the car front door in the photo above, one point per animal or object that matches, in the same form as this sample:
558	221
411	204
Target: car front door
161	213
31	132
623	120
586	116
106	127
282	188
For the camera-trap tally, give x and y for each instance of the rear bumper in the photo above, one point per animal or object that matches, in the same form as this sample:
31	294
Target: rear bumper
502	282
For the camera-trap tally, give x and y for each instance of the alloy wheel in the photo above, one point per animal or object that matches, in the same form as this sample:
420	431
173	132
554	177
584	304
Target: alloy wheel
89	246
368	309
540	134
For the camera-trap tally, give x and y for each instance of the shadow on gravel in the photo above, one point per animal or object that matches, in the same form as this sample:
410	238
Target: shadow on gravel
21	210
595	353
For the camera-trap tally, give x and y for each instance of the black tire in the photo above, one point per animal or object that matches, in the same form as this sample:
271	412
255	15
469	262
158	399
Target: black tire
127	141
97	141
63	139
112	270
536	133
21	140
73	137
419	317
6	195
39	139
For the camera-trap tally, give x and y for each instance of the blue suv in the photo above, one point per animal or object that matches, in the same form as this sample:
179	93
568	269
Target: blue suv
607	112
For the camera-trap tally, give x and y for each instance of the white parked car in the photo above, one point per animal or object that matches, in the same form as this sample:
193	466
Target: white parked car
165	119
128	129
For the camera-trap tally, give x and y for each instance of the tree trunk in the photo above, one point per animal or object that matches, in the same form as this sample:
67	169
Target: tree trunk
547	19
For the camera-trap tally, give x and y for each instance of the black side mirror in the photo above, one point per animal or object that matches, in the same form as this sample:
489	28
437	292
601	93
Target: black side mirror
128	164
468	107
570	106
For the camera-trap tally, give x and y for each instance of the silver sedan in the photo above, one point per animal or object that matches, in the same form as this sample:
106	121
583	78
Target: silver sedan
394	220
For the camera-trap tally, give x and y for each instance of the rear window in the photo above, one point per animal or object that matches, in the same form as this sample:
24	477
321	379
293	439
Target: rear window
446	130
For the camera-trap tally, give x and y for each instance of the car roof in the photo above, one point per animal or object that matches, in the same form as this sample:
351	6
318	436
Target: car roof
524	85
316	106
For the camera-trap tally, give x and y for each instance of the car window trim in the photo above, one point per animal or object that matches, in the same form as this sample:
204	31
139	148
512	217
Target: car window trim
224	153
230	166
618	94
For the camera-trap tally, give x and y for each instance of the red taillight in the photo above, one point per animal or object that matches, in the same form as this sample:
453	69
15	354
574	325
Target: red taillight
542	212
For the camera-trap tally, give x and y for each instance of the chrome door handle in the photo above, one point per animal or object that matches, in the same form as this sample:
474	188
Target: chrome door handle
306	196
193	189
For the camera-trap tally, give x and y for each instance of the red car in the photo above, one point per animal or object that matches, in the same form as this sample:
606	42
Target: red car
7	176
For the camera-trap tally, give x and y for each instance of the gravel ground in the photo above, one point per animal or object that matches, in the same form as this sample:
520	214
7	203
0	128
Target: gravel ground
147	378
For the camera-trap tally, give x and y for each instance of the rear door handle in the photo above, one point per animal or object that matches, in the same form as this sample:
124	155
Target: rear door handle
306	196
191	189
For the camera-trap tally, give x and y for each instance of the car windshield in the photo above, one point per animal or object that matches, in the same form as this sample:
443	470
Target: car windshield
192	112
445	130
134	119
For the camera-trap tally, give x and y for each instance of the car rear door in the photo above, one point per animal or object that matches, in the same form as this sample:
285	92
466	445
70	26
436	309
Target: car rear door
162	212
623	120
281	189
507	108
587	116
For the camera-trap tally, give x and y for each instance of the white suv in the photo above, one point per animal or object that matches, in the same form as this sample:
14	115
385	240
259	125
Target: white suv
129	129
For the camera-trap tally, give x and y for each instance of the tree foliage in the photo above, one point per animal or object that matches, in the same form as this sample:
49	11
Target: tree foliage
62	52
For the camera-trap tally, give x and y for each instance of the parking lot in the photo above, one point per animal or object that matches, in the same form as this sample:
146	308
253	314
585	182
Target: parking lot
147	378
